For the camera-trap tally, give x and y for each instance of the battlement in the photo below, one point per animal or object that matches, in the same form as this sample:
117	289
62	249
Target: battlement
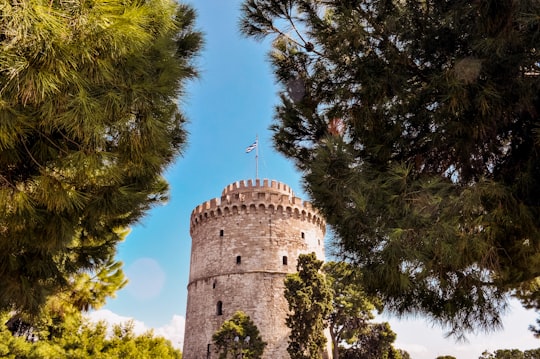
248	197
265	185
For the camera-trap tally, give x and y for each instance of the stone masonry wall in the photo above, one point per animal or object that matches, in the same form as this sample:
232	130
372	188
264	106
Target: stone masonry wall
243	246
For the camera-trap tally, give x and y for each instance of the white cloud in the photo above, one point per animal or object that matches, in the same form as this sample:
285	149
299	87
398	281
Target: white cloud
422	341
173	331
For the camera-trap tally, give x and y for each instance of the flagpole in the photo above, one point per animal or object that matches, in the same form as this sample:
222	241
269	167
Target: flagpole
257	157
255	146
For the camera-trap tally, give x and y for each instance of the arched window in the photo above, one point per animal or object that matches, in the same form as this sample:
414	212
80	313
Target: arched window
238	259
219	308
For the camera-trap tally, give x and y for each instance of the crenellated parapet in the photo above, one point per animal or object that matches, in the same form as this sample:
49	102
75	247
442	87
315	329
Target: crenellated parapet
250	186
259	197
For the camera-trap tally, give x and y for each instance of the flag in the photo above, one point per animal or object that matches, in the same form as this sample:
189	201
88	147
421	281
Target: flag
251	147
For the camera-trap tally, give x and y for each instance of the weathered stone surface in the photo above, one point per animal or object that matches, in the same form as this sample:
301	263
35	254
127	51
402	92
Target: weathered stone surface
243	246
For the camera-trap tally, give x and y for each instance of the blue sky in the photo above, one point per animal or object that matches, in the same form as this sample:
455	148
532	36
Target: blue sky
232	103
228	107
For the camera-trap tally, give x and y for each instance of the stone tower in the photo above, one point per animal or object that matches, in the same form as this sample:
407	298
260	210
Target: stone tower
243	246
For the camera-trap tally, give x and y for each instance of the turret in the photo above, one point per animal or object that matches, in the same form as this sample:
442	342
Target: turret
243	245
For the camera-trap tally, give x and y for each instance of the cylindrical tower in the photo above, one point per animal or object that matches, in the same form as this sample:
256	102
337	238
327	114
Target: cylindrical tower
243	246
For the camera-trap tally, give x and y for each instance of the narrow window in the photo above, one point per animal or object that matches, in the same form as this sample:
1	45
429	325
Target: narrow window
238	259
221	232
303	235
284	260
219	308
214	285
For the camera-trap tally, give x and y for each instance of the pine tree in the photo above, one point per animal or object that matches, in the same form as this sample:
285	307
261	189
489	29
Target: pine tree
353	333
239	337
352	310
415	124
88	122
310	302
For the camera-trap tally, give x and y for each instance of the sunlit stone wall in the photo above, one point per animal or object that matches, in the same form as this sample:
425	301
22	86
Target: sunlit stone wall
243	245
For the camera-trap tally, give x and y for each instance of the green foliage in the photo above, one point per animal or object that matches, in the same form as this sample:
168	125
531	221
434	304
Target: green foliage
88	122
404	354
415	124
62	311
531	354
512	354
309	298
529	293
351	308
239	337
445	357
81	339
374	342
89	290
353	334
11	347
503	354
